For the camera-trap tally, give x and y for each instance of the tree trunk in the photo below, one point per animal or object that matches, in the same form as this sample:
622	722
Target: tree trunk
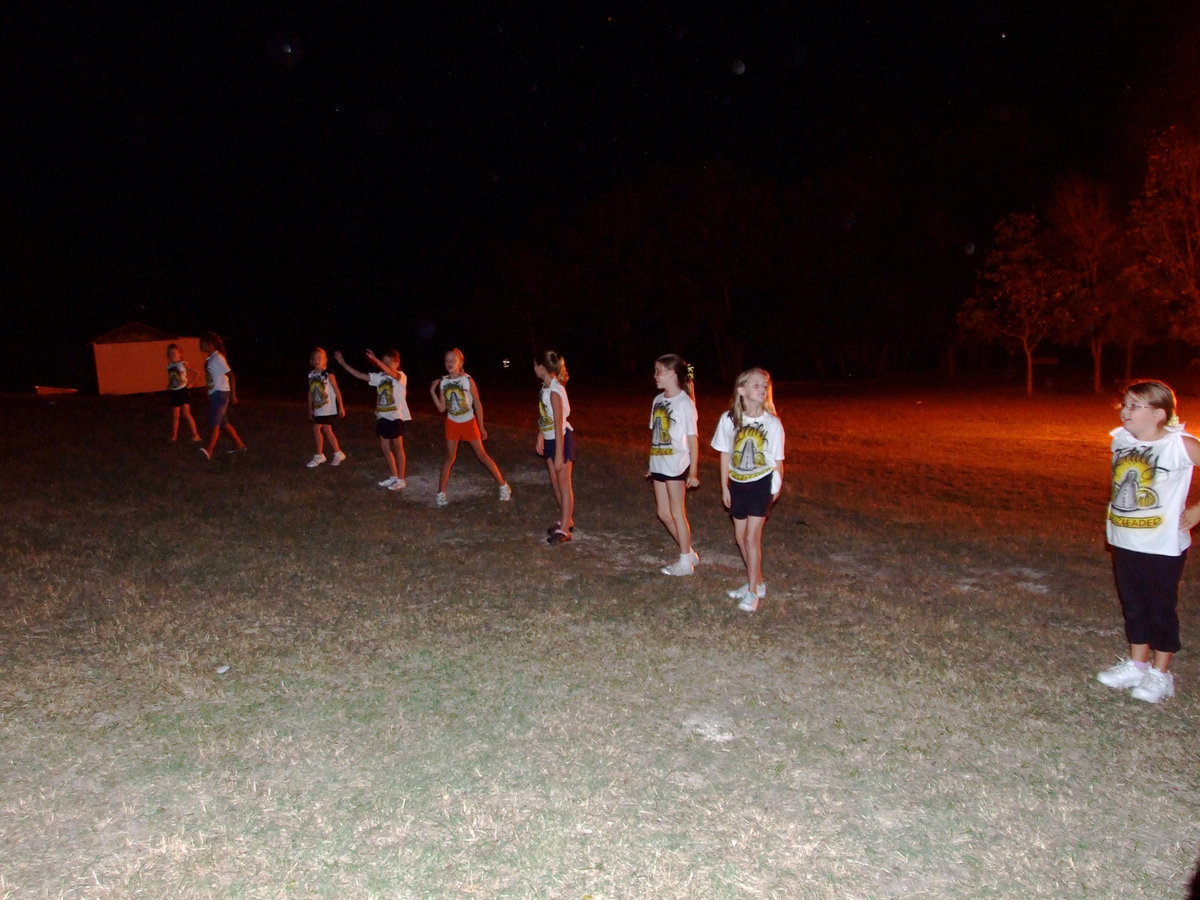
1028	369
1097	346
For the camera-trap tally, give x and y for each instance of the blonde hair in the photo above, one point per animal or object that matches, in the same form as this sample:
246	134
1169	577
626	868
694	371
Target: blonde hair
554	364
737	406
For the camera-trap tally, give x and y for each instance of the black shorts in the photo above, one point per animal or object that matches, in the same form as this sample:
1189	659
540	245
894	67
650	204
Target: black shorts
179	397
751	498
389	429
324	420
659	476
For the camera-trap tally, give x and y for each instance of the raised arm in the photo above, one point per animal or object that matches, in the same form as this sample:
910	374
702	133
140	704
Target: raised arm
362	376
390	371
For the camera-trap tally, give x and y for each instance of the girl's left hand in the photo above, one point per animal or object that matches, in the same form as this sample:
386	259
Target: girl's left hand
1189	518
692	482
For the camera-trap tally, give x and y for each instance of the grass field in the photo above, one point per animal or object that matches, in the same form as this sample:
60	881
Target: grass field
433	703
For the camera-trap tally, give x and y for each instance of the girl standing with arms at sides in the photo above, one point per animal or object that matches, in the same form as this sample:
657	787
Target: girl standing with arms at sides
391	410
1149	529
674	454
222	391
179	380
457	397
324	408
749	438
556	441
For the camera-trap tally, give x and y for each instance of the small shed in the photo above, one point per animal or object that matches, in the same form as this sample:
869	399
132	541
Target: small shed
132	359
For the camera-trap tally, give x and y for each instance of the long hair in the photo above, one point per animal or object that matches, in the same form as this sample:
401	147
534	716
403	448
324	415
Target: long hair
554	364
683	372
737	406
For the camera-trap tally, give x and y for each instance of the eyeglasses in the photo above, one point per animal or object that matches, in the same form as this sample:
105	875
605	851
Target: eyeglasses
1130	407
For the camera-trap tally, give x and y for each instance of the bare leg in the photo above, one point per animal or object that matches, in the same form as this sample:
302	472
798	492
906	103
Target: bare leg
187	415
385	446
447	464
488	462
565	492
319	438
333	441
399	461
748	534
175	421
237	441
670	497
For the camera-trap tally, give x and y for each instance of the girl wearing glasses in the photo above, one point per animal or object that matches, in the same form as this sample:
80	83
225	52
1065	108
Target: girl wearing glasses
1149	530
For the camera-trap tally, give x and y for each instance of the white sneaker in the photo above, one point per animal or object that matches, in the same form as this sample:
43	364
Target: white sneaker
749	602
337	458
389	481
505	492
695	558
440	500
682	567
398	484
737	593
316	460
1124	675
1155	686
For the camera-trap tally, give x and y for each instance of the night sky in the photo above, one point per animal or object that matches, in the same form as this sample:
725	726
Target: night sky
334	173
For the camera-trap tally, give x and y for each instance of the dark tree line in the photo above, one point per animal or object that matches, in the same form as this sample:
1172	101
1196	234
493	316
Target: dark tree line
1090	274
830	277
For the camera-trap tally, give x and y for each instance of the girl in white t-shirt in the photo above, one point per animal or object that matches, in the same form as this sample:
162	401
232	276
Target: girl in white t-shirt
222	393
391	410
556	441
674	454
1149	530
455	395
324	408
749	438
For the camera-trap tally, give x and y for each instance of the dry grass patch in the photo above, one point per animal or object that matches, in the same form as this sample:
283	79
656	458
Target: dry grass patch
425	702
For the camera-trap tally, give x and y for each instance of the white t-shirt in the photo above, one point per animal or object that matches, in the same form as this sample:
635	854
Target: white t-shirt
216	373
1150	483
546	410
754	448
391	397
322	399
460	403
672	422
177	375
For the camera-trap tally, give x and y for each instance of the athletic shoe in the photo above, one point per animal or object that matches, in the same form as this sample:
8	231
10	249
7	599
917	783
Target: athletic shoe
559	537
317	460
204	452
1155	686
737	593
681	567
397	484
557	526
441	500
505	492
241	449
695	558
749	602
1122	676
389	481
337	458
